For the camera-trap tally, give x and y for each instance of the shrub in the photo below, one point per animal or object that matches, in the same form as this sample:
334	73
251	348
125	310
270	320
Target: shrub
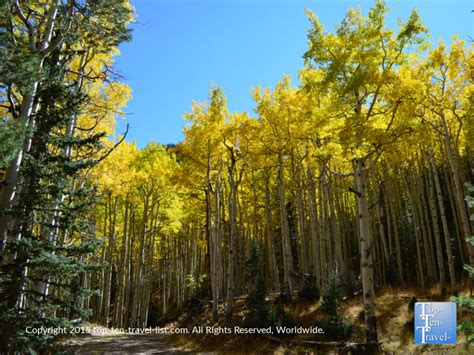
310	290
259	310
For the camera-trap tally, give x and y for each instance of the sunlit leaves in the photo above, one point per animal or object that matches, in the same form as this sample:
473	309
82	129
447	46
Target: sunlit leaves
364	73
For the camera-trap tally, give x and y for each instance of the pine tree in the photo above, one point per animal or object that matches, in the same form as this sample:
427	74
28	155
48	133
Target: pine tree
46	195
49	254
334	325
259	310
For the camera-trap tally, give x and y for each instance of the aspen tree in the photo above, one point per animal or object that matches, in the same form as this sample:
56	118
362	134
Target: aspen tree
358	65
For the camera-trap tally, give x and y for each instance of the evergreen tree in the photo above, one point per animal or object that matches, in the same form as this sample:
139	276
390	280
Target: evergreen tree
46	195
259	314
310	290
335	325
48	250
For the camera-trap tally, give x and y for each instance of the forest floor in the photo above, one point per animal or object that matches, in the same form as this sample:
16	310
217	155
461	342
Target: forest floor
394	320
119	343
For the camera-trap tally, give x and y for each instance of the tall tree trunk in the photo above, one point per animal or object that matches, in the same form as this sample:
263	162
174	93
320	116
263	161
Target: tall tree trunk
447	241
418	238
434	221
324	252
302	242
11	176
112	201
340	265
366	247
119	309
458	188
461	243
427	230
270	239
232	242
315	262
216	249
285	230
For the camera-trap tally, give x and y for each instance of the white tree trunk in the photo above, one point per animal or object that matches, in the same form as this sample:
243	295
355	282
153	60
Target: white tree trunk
366	259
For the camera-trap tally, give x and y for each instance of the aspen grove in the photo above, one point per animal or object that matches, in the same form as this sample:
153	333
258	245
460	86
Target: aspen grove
360	171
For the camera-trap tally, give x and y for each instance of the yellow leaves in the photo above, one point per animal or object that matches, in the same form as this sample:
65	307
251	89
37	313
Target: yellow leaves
436	57
154	165
452	66
105	99
173	215
117	173
106	102
317	30
448	88
283	112
207	121
362	84
137	175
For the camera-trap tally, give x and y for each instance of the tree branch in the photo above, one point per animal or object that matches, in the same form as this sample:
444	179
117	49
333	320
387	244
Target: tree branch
115	146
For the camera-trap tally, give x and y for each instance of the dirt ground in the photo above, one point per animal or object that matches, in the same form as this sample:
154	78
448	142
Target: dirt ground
122	344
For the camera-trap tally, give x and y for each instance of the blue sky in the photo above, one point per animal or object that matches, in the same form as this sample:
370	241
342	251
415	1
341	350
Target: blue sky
180	47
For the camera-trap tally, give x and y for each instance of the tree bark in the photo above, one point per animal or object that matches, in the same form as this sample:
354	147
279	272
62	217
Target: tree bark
447	241
436	232
274	279
232	242
366	247
285	230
